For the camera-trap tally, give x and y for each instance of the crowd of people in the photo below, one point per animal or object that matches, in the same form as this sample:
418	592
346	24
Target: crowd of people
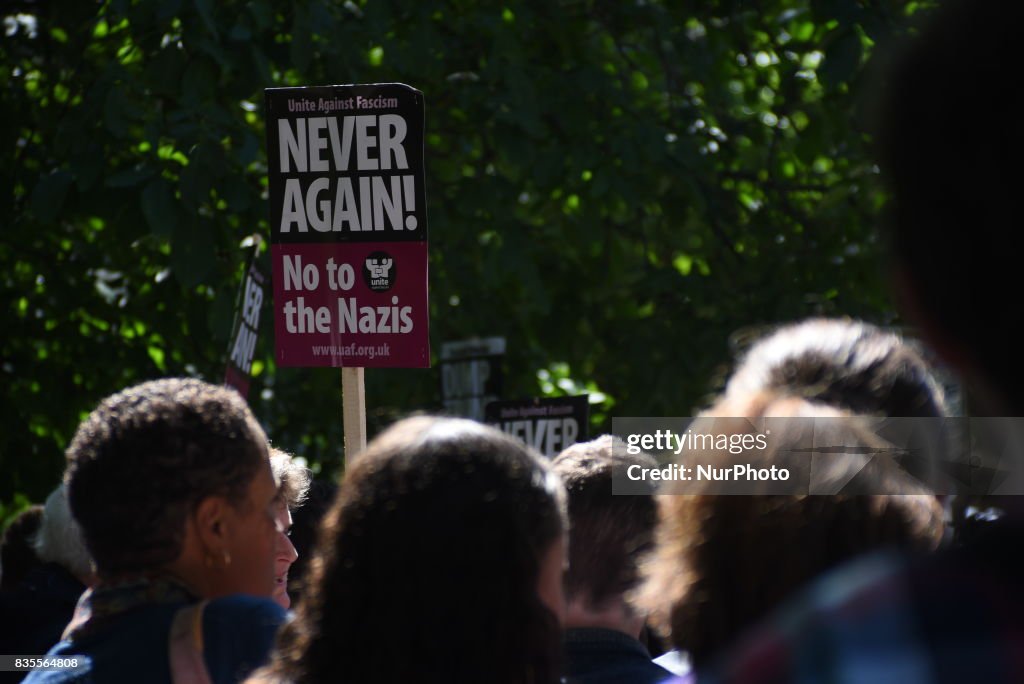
452	552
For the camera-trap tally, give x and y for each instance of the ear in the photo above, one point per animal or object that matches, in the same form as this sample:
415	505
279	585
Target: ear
211	525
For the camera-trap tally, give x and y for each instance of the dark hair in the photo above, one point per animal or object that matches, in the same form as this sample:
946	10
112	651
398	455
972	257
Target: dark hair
141	462
428	562
722	561
607	533
17	552
844	363
953	167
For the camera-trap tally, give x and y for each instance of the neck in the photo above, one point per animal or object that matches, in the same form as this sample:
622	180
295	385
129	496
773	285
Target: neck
613	614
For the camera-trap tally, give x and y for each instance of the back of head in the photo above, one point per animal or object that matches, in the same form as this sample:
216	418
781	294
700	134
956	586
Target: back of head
17	555
146	456
608	533
59	539
950	144
849	364
429	563
294	479
724	561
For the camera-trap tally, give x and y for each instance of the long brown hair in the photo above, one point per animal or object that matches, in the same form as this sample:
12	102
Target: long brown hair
428	562
723	561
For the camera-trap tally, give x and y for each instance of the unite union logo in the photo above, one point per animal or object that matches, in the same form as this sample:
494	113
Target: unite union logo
379	271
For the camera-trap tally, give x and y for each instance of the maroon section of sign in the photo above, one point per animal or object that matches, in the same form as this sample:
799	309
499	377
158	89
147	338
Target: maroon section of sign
358	304
237	379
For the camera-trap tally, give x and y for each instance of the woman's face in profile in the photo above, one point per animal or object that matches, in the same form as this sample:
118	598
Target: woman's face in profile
284	554
251	532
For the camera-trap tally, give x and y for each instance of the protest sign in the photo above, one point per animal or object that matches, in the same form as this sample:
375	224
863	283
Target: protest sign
245	331
547	425
471	375
348	225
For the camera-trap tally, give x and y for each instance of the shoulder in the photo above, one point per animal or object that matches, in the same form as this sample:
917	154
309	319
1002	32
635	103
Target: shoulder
128	650
830	626
890	616
259	612
238	634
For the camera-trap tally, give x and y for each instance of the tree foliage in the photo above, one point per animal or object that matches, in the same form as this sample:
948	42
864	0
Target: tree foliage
619	188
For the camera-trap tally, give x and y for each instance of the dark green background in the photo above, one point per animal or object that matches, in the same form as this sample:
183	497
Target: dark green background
624	190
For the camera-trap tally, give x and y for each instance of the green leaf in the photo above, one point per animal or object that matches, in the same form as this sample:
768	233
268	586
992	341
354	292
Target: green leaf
236	193
842	59
301	46
683	263
205	9
49	195
199	83
192	252
194	185
129	178
262	13
159	207
166	9
157	355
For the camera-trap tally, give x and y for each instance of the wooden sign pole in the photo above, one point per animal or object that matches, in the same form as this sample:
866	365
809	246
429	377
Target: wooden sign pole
353	399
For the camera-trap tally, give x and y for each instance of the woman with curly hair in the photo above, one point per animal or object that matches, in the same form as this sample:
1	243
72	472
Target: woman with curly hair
724	560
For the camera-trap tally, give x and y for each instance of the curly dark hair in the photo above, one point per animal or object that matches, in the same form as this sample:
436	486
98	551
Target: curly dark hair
428	563
146	456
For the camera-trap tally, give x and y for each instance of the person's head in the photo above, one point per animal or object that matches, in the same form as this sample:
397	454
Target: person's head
59	539
607	533
293	481
440	560
952	166
173	476
17	556
856	367
723	561
844	363
306	521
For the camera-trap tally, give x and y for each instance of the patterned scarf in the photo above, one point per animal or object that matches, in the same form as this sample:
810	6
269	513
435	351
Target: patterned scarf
108	600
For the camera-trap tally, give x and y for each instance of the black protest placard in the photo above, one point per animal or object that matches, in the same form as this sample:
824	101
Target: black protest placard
348	225
245	331
548	425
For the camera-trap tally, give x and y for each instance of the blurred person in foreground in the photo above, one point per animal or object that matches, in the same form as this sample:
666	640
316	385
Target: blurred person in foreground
953	165
293	482
440	561
725	559
857	367
171	484
607	535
